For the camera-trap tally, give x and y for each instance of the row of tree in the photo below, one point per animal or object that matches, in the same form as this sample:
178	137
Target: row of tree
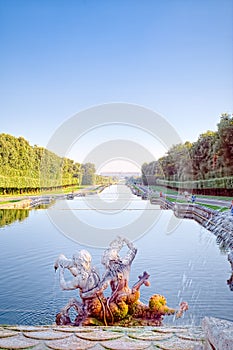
201	162
26	168
9	216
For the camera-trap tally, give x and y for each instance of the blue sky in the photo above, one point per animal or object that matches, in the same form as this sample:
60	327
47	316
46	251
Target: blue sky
59	57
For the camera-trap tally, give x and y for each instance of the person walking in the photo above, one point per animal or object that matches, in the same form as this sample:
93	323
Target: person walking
193	198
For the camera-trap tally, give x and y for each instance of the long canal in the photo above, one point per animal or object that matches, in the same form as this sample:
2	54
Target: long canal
183	259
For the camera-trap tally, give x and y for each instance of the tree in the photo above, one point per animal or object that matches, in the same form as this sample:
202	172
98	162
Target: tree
88	177
150	172
203	154
225	143
24	168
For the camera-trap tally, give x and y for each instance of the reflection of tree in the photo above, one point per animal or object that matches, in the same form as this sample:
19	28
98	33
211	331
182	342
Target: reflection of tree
8	216
230	282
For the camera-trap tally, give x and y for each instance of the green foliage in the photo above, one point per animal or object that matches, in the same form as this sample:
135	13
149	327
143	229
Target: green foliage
9	216
224	182
88	171
103	180
206	163
150	172
24	168
27	169
225	144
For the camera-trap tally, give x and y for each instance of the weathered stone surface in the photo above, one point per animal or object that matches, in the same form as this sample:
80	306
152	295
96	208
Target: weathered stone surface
170	329
99	347
4	333
207	346
17	342
126	344
40	346
46	335
99	335
150	335
218	332
192	334
72	329
70	343
179	344
121	329
28	328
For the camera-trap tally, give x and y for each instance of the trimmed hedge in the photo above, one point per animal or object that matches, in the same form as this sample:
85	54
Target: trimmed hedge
215	183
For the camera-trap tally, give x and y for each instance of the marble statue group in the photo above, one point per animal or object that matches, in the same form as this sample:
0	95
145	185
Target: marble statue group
123	306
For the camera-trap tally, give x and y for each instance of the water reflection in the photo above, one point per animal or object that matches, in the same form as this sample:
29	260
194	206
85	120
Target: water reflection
230	282
8	216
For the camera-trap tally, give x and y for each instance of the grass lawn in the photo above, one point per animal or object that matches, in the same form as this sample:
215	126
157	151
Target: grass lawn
169	191
214	207
10	201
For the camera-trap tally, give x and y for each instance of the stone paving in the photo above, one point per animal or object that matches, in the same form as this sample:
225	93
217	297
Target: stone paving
215	334
97	338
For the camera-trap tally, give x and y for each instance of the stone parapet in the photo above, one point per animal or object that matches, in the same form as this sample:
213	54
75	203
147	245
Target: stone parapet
100	338
218	332
215	334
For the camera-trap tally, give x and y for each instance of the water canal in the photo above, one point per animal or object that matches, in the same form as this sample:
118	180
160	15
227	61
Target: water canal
183	259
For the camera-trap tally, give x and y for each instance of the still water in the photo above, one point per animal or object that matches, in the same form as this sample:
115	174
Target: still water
183	259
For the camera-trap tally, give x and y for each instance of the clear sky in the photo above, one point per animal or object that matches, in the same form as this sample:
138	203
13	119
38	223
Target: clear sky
59	57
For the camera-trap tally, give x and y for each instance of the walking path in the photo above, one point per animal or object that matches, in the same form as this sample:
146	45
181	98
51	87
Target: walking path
206	200
215	334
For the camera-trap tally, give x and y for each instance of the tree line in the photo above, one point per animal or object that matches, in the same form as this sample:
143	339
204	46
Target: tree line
202	165
7	217
25	168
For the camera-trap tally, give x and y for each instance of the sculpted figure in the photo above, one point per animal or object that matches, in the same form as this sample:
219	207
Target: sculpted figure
123	299
85	279
117	276
117	268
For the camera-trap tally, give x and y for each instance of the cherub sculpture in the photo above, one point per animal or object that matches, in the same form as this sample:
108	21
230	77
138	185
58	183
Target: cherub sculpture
123	306
117	276
85	279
